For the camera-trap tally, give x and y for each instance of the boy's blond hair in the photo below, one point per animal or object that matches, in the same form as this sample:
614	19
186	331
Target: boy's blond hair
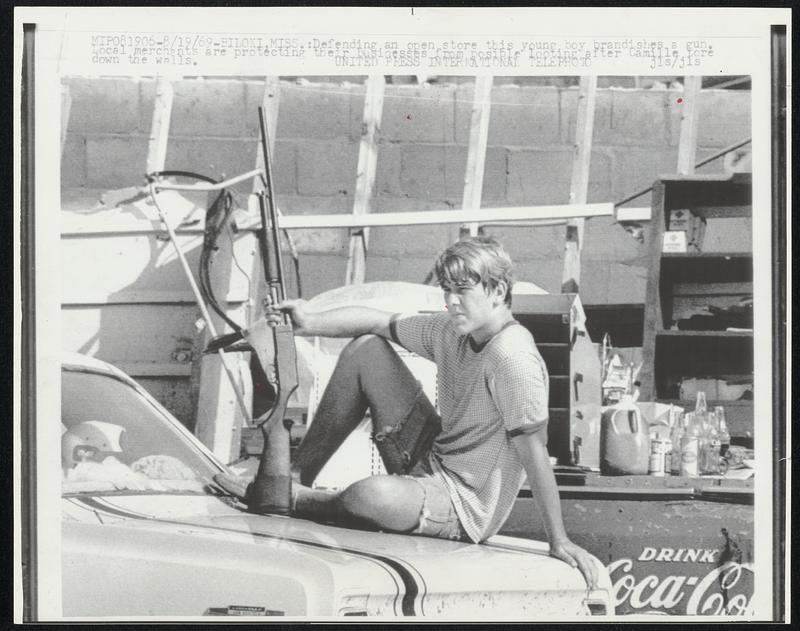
475	260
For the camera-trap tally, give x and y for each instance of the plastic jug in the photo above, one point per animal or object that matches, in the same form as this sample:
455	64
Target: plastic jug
624	441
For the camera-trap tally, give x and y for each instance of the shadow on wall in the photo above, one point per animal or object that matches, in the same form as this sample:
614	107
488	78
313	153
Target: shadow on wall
126	298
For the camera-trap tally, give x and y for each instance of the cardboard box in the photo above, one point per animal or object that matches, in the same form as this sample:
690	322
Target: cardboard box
693	226
674	241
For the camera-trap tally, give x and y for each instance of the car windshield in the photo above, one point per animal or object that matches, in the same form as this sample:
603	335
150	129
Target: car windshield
115	439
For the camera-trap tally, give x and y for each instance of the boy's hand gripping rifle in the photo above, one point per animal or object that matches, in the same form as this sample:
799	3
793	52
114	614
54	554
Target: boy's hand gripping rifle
270	491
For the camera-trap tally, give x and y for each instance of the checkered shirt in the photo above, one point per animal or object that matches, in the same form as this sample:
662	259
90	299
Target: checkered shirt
486	395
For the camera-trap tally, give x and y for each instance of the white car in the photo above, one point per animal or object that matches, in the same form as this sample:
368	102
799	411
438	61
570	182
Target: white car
148	534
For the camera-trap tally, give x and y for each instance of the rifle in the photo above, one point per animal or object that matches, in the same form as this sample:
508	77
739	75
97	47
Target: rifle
270	491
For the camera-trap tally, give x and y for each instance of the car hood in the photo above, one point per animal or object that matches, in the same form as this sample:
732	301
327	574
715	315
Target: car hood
329	570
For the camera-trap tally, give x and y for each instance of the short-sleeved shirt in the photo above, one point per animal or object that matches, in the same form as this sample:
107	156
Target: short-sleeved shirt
486	395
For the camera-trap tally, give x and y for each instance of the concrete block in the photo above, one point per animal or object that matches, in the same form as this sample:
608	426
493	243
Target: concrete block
543	177
318	240
402	241
622	117
594	282
539	177
410	269
424	169
73	161
221	158
520	116
414	114
209	108
437	172
103	105
605	240
600	171
639	118
725	117
322	272
635	169
529	243
326	167
212	157
627	284
115	161
355	115
314	112
389	166
546	273
315	205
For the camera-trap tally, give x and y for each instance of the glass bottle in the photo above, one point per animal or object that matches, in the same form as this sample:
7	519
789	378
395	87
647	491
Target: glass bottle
724	434
701	407
701	420
690	446
711	446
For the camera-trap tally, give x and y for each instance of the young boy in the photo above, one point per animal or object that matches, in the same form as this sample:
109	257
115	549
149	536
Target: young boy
456	475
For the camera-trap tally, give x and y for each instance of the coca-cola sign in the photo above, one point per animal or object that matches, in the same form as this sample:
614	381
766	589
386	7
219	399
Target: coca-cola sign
688	581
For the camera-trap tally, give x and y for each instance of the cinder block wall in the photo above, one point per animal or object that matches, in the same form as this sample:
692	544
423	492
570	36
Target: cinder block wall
421	162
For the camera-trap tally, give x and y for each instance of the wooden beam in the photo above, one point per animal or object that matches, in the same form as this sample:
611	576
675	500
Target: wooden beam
431	217
476	153
66	106
579	183
633	213
687	141
74	225
159	127
365	176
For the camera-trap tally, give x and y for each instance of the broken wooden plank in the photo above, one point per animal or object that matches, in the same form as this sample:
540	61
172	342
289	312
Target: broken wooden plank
159	127
687	141
429	217
579	183
365	177
476	152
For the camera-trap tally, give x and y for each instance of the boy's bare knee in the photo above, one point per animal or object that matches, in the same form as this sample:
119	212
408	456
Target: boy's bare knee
362	343
369	493
385	501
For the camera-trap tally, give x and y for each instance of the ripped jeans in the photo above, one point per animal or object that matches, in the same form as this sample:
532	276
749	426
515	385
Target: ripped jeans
370	374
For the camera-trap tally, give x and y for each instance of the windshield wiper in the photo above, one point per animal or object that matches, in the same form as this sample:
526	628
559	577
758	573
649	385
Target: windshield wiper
233	485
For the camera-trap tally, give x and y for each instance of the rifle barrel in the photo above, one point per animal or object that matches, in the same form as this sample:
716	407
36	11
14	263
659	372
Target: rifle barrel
273	209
